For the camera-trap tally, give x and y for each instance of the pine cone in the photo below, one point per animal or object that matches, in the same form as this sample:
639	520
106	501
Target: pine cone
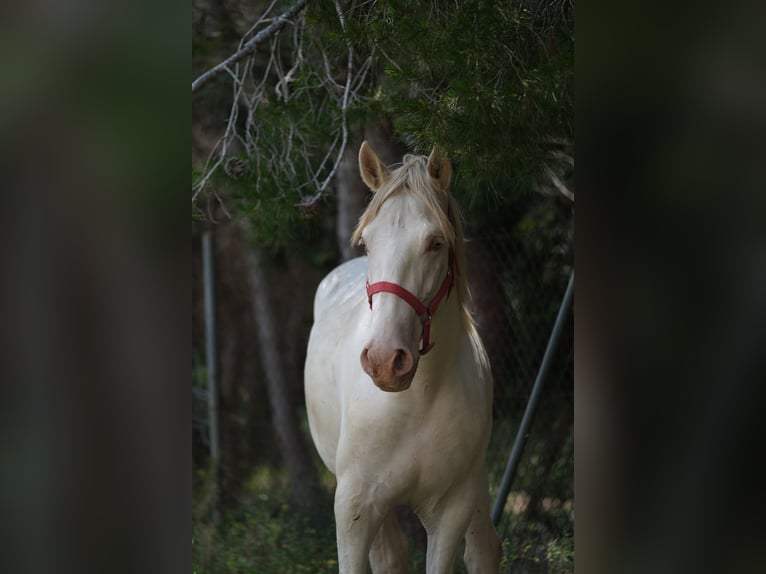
235	167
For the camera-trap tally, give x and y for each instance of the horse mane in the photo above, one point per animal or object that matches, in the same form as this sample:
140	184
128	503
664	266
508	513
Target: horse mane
411	176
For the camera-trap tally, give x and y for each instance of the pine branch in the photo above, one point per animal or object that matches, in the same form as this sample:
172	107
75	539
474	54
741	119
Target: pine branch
308	204
249	48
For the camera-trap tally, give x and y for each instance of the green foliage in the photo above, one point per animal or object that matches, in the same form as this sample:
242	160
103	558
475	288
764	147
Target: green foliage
265	538
263	535
560	555
268	537
490	82
530	548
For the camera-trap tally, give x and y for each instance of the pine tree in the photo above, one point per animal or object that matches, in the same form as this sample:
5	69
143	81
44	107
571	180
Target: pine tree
490	82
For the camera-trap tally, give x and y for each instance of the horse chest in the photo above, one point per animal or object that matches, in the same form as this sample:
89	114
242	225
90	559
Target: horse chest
411	454
445	446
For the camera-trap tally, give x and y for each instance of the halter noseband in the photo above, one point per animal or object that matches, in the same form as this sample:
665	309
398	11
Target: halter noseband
425	312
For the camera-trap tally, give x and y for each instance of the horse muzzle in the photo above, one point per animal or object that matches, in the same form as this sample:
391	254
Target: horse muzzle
391	371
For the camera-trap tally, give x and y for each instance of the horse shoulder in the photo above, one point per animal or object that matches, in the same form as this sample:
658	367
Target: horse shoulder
340	289
336	308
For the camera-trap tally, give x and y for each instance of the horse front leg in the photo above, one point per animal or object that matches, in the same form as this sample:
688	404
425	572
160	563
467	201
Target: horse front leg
390	549
356	523
482	546
446	526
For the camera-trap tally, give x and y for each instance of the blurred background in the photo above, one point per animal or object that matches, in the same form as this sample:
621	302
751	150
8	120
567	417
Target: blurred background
97	466
276	194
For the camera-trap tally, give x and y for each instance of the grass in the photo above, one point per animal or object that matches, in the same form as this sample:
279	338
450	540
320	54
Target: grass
263	534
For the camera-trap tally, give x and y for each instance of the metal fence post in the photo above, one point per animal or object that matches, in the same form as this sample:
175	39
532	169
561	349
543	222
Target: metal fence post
212	363
529	413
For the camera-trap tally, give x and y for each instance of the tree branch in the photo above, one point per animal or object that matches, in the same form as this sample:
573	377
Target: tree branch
307	203
275	26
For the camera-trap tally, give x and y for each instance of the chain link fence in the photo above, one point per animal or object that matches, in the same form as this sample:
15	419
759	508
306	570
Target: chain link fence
531	271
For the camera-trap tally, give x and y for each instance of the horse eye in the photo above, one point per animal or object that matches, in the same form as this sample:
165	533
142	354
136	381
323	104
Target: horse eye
363	245
436	245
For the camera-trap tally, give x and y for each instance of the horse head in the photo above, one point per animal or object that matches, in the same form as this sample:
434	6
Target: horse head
409	238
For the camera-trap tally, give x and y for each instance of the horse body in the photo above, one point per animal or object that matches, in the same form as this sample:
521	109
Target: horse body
423	442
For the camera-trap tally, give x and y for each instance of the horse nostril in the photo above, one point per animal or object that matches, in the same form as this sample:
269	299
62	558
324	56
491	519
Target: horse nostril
365	361
402	362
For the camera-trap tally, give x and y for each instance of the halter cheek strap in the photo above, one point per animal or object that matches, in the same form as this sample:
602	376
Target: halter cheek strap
425	312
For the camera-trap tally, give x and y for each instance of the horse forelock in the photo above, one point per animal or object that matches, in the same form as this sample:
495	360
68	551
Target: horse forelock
411	177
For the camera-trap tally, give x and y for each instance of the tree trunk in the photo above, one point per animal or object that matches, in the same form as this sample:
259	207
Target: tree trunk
352	198
351	191
303	476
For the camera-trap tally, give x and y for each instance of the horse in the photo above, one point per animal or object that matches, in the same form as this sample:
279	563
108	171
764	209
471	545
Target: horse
397	381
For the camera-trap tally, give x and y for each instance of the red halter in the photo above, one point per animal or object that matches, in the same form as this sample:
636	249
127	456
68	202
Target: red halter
424	312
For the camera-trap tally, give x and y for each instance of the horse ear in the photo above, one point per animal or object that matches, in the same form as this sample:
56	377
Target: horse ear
374	173
439	169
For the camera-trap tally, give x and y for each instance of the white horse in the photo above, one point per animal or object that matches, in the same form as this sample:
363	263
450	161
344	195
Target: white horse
418	436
